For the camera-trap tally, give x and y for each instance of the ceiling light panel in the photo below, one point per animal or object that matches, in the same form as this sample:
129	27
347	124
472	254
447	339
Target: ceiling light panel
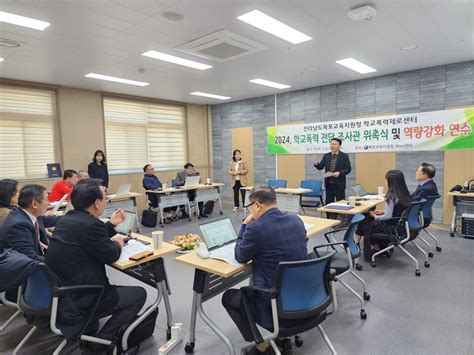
23	21
176	60
355	65
115	79
277	28
269	83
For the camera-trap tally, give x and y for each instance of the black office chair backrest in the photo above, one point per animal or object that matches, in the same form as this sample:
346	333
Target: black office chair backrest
36	293
303	287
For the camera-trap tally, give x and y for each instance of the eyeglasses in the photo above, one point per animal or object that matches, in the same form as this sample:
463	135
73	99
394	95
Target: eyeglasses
251	203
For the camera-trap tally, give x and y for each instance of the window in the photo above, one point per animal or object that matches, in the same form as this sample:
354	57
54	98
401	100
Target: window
27	132
137	133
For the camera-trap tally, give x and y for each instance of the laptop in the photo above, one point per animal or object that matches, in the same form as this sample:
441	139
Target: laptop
127	226
359	190
192	181
123	190
219	237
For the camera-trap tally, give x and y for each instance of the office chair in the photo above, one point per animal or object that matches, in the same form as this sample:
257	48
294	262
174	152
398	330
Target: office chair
343	262
42	296
310	199
173	183
398	231
276	184
300	297
427	215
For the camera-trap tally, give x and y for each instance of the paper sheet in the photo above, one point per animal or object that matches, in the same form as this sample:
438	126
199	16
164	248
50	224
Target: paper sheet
328	174
380	197
131	248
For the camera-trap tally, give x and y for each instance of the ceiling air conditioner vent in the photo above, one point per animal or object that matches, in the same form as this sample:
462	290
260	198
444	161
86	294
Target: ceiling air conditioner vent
222	46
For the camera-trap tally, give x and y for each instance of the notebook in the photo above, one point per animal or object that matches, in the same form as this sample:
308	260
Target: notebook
219	237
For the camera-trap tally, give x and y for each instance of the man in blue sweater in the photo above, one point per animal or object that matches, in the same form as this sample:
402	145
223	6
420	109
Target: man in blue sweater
151	182
267	237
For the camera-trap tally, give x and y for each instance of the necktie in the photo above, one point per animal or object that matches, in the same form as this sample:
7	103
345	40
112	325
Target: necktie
37	229
37	232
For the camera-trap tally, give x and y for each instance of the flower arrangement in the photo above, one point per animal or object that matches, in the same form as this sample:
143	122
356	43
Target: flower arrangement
187	241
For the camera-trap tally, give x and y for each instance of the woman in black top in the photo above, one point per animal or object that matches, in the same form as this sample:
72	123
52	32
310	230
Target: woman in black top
97	169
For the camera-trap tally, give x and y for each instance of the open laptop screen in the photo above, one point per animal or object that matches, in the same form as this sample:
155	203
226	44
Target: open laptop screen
192	180
359	190
218	233
128	225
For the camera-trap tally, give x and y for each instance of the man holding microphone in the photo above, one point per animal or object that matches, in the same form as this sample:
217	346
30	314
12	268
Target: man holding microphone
337	165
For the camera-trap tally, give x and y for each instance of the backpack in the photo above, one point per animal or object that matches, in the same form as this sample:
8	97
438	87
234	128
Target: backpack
208	207
149	218
143	331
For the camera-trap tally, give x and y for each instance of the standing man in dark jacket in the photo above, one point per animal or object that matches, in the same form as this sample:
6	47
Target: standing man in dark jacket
24	228
339	165
80	248
426	186
267	237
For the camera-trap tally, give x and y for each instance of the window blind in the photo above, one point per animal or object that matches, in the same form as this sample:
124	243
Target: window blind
27	132
138	133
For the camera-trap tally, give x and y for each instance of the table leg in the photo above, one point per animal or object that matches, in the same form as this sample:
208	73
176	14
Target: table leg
452	230
212	325
169	314
189	348
136	213
161	216
220	202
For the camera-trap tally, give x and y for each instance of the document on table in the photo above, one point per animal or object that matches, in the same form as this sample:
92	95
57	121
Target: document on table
131	248
328	174
378	197
308	226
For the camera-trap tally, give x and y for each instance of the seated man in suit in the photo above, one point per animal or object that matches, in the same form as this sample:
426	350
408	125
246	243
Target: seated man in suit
80	248
189	170
427	187
151	182
267	237
24	228
63	186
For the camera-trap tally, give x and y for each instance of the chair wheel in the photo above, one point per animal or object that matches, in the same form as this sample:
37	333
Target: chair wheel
417	273
366	296
373	264
430	254
358	267
363	315
298	341
189	348
427	264
451	234
438	249
168	333
221	212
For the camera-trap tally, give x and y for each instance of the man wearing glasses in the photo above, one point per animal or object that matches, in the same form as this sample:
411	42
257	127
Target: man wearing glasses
267	237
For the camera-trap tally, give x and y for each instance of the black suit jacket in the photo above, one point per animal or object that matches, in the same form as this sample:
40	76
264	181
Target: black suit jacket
18	232
343	165
78	251
426	190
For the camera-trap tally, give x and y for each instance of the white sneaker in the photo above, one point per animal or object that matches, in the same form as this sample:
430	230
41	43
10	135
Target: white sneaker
235	209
